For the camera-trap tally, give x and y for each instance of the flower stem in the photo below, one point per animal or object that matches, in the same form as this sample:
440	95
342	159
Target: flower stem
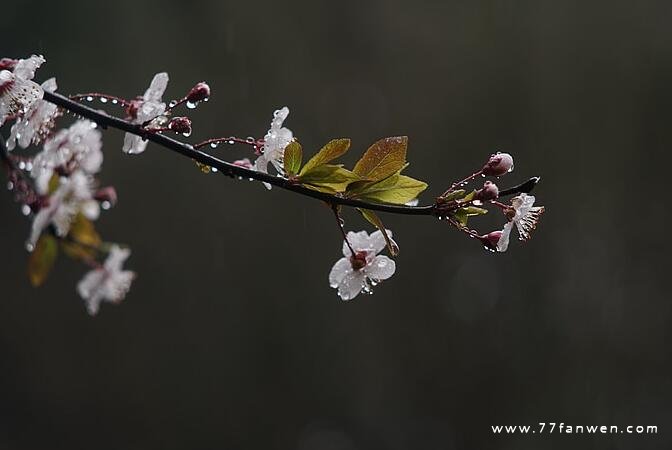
339	220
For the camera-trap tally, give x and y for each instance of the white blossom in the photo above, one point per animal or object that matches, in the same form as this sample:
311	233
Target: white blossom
18	92
354	273
75	148
525	217
36	123
275	142
107	283
149	108
74	195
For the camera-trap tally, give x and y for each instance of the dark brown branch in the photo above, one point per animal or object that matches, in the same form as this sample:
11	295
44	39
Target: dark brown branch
105	120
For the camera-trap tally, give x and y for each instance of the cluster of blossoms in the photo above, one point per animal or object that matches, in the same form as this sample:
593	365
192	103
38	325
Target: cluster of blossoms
58	183
58	187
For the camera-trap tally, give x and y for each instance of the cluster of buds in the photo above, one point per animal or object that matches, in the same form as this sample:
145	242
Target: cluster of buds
456	205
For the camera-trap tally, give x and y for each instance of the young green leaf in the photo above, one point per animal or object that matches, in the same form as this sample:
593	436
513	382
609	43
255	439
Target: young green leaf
332	150
42	259
293	158
330	176
83	239
462	215
374	220
454	195
382	159
401	192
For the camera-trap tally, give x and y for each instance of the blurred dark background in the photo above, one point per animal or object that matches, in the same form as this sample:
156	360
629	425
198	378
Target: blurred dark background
231	337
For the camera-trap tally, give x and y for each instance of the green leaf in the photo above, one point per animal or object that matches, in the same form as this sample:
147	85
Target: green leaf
454	195
293	158
474	210
332	150
329	176
382	159
462	215
42	259
469	197
399	191
374	220
83	239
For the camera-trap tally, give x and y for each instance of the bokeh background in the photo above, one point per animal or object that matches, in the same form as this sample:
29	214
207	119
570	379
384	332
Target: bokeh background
231	337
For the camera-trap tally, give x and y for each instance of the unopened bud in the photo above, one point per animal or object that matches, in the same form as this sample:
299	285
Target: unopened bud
498	164
107	194
199	93
491	239
180	125
489	192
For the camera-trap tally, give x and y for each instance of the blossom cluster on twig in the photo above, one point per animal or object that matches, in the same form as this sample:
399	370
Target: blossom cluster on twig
57	185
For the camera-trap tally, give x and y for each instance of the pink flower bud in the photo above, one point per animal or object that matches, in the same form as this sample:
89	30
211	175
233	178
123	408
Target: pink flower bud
499	164
107	194
491	239
199	93
489	192
180	125
7	63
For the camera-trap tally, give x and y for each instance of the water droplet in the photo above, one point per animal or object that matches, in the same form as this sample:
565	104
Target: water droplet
231	142
214	169
22	165
103	99
187	134
191	105
29	166
25	210
89	99
172	104
114	101
105	205
10	185
214	144
30	247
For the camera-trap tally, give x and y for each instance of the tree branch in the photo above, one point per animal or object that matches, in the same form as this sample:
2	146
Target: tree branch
105	120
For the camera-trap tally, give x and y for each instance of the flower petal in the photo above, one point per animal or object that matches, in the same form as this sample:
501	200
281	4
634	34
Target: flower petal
26	68
381	268
338	272
377	241
156	88
351	285
133	144
359	242
503	242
